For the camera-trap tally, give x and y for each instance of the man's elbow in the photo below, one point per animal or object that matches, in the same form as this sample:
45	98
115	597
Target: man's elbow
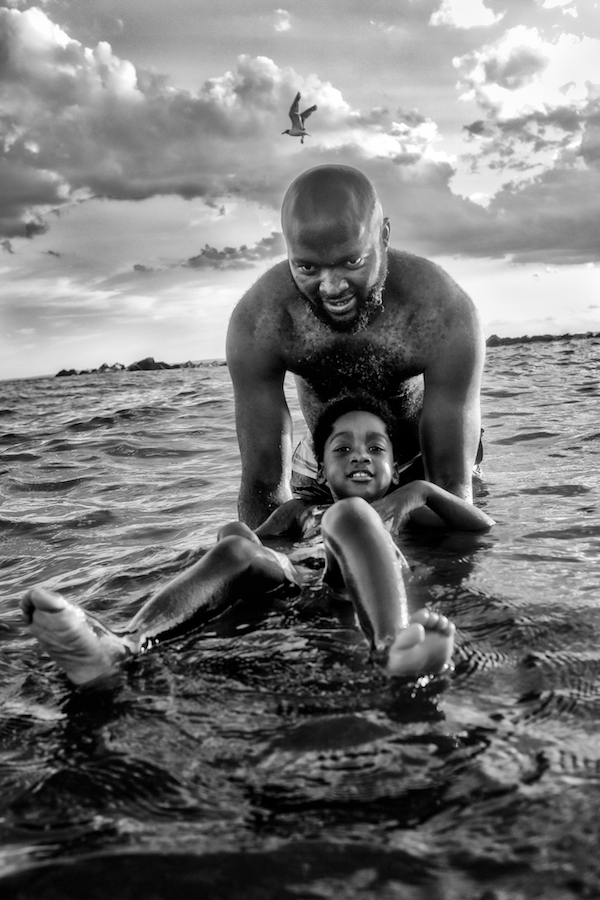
268	493
453	476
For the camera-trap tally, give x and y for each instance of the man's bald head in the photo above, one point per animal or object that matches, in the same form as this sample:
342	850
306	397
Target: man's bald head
337	242
331	194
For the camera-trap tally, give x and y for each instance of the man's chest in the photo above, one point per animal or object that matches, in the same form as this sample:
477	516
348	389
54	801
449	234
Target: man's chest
375	362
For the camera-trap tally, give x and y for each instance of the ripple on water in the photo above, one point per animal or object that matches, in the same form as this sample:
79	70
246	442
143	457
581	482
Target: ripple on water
270	730
525	436
58	484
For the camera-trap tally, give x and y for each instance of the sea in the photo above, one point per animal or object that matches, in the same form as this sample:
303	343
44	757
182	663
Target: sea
264	755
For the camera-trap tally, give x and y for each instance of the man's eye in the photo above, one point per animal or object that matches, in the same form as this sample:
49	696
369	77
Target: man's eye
354	263
305	269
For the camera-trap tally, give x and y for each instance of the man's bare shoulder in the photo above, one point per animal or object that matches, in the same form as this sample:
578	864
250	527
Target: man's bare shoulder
259	325
427	301
421	285
420	278
266	302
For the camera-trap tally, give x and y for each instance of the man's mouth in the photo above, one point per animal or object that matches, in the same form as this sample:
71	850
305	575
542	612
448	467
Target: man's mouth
340	305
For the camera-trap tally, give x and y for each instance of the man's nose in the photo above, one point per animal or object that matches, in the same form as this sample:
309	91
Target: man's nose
332	284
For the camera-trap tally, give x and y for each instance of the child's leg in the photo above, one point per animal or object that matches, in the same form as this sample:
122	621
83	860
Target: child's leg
87	650
232	569
240	529
358	544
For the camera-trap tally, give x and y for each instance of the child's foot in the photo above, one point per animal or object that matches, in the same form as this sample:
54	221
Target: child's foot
424	647
78	642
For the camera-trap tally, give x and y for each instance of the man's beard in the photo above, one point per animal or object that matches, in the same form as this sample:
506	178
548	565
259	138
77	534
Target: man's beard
368	307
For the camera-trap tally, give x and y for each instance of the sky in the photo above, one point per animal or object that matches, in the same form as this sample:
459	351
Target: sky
142	160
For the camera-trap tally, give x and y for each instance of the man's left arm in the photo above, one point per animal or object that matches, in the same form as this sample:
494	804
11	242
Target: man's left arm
450	423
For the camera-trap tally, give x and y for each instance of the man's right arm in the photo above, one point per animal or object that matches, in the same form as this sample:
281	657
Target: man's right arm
262	417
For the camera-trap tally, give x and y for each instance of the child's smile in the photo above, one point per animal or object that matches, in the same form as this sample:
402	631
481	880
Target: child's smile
358	459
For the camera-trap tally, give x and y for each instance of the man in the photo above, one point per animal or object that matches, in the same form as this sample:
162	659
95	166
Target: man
347	314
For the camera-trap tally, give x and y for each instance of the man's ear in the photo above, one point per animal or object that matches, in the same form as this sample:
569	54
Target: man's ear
385	231
395	474
321	474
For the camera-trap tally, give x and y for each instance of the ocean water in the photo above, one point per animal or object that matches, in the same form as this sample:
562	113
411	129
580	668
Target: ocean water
263	756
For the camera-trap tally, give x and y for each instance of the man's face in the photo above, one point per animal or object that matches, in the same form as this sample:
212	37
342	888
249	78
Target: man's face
340	268
358	458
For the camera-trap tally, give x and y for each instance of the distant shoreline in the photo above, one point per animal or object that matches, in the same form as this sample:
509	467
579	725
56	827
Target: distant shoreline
149	364
495	341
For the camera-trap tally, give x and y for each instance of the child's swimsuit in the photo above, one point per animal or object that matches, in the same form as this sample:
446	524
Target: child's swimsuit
306	564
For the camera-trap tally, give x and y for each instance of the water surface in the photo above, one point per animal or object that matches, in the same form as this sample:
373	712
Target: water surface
264	756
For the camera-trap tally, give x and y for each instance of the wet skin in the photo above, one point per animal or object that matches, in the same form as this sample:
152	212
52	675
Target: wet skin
358	459
358	465
318	316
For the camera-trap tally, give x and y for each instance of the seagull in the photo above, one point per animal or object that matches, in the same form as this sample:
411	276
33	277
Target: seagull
297	129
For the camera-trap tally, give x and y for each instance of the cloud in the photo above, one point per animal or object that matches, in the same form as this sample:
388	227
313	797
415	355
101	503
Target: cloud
554	219
541	105
243	257
283	20
521	75
80	122
550	4
464	14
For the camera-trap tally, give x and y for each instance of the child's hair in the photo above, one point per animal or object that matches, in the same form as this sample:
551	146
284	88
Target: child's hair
346	404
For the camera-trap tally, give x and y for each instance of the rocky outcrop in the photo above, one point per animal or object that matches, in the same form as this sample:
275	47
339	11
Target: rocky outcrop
495	341
148	364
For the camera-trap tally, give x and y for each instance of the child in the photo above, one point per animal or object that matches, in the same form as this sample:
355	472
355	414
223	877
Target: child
354	447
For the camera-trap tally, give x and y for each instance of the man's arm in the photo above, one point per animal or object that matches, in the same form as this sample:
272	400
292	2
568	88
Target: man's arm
450	423
262	417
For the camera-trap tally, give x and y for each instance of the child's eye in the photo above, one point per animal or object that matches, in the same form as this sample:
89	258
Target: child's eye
377	449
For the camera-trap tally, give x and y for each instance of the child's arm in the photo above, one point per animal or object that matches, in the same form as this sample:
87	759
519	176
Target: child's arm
450	511
283	520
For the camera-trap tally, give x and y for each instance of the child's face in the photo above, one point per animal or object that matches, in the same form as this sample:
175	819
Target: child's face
358	460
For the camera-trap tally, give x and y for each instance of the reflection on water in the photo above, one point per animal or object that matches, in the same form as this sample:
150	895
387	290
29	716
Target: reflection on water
265	750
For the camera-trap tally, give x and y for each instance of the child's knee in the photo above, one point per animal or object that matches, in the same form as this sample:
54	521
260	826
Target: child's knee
235	550
348	510
239	529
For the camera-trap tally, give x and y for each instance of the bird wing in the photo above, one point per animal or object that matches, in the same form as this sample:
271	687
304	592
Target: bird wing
307	113
294	116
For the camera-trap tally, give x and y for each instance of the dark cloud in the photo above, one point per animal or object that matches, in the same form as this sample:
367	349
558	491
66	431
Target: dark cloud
549	130
554	218
212	204
526	110
243	257
35	227
517	69
80	121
